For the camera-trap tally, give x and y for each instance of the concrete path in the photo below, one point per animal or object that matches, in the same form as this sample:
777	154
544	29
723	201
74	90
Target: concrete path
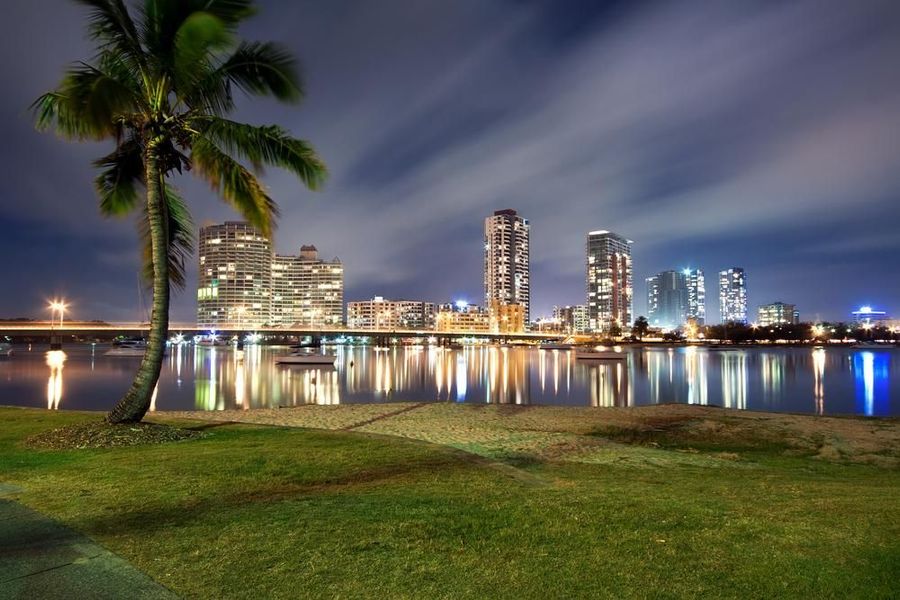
41	558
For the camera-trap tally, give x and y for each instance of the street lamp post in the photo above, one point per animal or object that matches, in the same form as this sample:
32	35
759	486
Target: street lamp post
56	305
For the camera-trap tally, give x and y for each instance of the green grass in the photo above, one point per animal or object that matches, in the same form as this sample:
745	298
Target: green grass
254	511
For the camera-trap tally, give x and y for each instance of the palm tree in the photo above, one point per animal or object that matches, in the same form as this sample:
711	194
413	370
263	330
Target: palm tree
160	87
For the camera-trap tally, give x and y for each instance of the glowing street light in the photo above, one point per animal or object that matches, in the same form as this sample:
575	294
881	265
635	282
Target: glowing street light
56	305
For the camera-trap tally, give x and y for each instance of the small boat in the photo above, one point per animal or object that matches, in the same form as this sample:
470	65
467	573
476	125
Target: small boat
555	346
211	342
305	358
128	348
6	350
870	346
591	354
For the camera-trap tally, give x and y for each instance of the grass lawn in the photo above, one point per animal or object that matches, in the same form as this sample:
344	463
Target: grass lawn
258	511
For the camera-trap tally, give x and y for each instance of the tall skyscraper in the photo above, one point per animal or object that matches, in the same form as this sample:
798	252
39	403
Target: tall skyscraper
696	285
507	262
235	276
609	280
306	290
667	299
733	295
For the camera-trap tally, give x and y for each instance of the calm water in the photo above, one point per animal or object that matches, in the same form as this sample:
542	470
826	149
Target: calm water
819	381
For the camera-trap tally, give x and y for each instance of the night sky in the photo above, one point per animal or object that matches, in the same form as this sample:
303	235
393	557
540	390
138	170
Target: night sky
713	134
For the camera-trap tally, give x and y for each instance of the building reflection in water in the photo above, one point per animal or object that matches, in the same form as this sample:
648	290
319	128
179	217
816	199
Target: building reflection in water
212	378
818	356
609	383
206	378
462	373
772	370
695	373
56	359
871	374
240	386
734	379
674	376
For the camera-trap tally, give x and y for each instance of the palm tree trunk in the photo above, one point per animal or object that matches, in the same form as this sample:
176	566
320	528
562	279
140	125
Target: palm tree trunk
134	405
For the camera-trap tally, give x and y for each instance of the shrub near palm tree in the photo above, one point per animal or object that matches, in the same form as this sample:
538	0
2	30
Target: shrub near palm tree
160	87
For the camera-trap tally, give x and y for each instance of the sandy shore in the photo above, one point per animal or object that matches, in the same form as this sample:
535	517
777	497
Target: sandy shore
643	435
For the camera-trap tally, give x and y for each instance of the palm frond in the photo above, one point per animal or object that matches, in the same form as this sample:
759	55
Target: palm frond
89	103
231	12
200	36
268	145
122	173
237	185
261	69
112	25
164	20
54	110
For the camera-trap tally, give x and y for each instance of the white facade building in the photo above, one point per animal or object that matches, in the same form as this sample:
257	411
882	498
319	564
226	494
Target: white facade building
379	313
610	290
507	260
733	295
306	290
234	280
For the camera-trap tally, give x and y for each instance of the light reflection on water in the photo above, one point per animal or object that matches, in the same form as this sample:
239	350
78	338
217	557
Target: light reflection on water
783	379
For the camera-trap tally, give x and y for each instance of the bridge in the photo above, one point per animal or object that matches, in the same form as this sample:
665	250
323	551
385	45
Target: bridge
29	330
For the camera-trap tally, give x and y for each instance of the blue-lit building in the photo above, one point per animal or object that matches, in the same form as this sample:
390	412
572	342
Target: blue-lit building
667	299
869	317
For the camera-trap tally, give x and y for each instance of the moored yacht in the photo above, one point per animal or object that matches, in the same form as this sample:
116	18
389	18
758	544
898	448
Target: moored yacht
596	354
128	348
305	358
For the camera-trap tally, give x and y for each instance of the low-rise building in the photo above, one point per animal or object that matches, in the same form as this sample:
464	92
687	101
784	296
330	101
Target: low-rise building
506	317
866	316
462	318
382	314
572	319
777	313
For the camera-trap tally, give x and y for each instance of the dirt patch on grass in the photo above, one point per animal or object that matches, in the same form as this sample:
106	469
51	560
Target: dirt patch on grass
103	435
579	434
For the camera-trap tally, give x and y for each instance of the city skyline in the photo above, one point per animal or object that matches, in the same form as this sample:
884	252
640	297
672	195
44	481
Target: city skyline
742	163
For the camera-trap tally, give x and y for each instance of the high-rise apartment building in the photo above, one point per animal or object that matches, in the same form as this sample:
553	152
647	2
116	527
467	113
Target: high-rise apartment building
733	295
609	281
674	297
777	313
667	299
235	278
306	290
379	313
507	270
696	285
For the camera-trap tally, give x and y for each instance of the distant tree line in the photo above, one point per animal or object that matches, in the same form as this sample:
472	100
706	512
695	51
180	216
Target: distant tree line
738	333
